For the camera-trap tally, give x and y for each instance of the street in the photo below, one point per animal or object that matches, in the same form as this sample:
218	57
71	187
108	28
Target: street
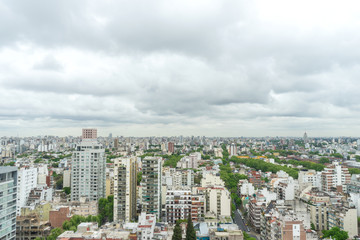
238	219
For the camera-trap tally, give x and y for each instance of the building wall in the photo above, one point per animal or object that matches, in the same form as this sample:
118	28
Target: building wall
8	191
178	205
67	178
219	201
125	181
57	217
109	186
318	216
39	229
211	180
350	222
151	185
89	133
88	171
27	180
41	210
293	230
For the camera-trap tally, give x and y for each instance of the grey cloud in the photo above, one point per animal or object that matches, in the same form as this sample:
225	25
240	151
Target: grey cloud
49	63
182	64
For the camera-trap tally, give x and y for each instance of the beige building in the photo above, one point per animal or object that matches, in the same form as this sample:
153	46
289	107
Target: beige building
41	210
109	183
31	227
228	235
67	178
84	207
210	180
125	181
218	201
345	218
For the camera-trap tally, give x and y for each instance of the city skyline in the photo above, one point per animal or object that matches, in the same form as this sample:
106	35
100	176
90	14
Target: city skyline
222	68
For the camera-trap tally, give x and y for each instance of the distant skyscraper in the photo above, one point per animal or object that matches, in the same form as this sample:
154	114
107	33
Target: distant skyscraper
305	138
233	150
8	184
88	169
151	185
171	147
125	189
89	133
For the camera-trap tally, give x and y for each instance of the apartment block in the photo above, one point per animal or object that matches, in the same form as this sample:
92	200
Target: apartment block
334	176
178	204
344	217
27	180
151	185
89	133
125	182
88	171
8	191
31	227
218	201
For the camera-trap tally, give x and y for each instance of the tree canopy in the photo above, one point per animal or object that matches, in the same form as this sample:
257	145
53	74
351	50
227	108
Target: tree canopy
177	232
335	233
106	209
190	231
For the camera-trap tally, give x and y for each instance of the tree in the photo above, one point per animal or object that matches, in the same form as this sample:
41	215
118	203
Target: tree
54	234
313	226
139	178
190	231
67	190
335	233
324	160
106	209
354	171
177	232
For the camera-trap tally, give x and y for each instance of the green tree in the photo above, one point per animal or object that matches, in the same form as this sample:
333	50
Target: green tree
190	231
54	234
247	237
335	233
324	160
139	177
10	164
177	232
67	190
354	171
313	226
171	161
337	155
106	209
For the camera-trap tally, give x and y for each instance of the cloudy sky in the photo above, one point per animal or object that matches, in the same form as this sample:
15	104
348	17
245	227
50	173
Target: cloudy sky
213	68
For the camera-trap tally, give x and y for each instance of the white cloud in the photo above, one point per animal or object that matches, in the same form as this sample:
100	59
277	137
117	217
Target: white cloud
226	68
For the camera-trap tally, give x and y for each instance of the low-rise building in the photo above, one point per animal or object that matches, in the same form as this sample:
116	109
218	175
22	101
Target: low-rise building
30	227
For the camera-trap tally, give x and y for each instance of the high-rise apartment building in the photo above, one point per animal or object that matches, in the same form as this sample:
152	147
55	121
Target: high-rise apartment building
334	176
232	149
151	185
178	204
88	171
26	181
8	185
89	133
171	147
125	189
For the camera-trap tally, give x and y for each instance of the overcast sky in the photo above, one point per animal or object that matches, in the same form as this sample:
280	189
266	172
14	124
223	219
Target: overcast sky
213	68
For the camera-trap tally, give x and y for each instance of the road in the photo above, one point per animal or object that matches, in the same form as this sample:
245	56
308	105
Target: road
239	220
